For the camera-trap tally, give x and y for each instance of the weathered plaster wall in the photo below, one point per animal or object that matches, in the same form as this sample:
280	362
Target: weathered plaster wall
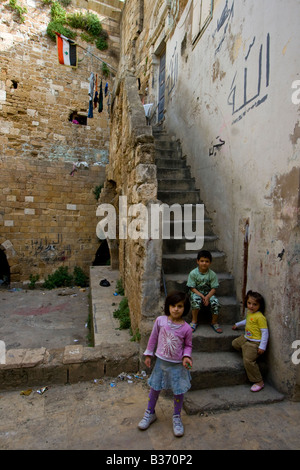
235	83
47	205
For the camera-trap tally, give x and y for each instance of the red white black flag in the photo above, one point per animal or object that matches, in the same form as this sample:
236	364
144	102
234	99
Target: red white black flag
67	50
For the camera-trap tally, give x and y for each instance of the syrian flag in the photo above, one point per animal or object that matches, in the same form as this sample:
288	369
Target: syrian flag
67	51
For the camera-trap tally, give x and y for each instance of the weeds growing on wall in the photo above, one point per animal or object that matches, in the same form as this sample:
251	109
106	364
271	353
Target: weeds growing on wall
18	9
61	22
123	314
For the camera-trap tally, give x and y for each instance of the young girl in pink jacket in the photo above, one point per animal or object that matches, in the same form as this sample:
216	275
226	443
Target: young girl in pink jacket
172	338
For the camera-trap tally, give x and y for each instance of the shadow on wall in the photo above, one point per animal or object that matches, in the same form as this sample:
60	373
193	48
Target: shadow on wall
4	269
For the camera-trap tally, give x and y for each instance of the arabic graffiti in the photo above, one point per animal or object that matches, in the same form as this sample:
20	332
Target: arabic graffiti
52	250
223	23
248	90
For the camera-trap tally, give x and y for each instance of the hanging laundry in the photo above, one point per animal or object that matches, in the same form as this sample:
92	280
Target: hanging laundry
106	90
96	99
100	109
91	95
96	92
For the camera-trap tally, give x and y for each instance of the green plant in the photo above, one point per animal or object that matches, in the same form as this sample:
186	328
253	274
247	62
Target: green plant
97	191
105	70
136	336
56	26
60	278
120	288
58	13
123	314
65	3
101	44
18	9
88	22
80	278
33	279
87	37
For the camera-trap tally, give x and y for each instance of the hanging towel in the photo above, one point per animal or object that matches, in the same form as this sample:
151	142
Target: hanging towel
90	113
106	89
100	109
96	99
91	95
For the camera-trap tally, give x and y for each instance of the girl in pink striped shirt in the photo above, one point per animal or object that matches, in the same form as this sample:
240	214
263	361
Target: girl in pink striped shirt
172	338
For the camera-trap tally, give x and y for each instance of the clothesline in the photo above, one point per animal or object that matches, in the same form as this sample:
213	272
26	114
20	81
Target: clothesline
93	94
98	58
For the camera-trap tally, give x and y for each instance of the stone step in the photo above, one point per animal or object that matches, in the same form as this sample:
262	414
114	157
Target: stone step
183	184
179	262
167	153
173	245
179	197
168	163
228	398
205	339
178	282
164	143
217	369
175	173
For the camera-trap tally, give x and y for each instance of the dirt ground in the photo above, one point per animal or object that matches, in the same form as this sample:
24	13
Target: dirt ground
103	413
98	416
43	318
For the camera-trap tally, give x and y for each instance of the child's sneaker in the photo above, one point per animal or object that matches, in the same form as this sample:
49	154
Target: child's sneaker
178	428
147	420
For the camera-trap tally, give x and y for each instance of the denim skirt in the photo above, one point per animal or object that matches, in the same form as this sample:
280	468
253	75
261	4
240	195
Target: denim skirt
170	376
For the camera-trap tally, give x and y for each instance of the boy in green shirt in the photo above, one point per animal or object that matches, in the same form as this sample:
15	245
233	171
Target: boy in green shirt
203	282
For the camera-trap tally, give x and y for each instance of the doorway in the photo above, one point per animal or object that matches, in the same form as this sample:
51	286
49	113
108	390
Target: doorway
4	270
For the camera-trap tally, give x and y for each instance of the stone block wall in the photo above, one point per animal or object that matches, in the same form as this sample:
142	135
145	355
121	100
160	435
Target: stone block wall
49	165
131	173
47	215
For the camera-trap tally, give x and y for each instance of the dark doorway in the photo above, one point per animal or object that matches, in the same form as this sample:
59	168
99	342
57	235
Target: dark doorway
102	257
4	269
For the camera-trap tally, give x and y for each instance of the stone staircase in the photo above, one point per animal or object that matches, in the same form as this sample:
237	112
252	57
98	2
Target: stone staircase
218	376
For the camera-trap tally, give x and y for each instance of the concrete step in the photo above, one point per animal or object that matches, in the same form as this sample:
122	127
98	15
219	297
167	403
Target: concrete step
229	311
165	143
217	369
175	173
168	151
179	197
168	163
205	339
178	282
177	246
183	184
179	262
228	398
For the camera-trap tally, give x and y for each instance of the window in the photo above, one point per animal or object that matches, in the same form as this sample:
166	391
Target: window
202	14
78	118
